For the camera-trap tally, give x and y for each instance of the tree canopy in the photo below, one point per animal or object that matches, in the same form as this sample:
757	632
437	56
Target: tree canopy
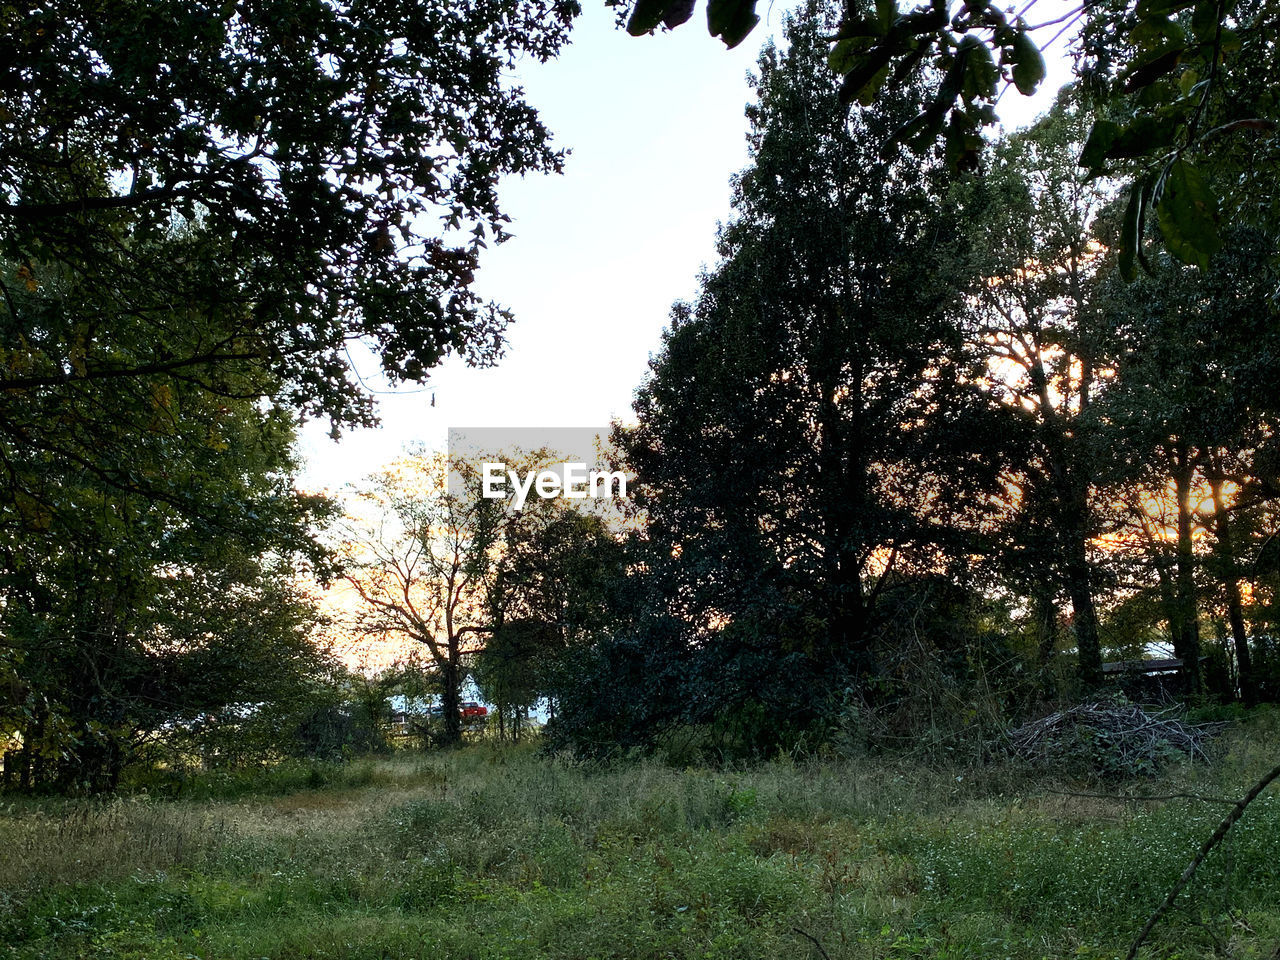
201	207
1180	88
303	174
126	613
915	437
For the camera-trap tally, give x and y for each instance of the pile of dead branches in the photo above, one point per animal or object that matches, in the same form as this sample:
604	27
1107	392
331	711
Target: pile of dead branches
1111	736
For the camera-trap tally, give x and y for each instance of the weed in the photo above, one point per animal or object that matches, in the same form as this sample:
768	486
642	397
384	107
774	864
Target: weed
487	853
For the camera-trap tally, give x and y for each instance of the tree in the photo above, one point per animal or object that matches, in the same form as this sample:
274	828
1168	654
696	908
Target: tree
1031	315
125	615
553	591
507	670
486	589
798	436
1192	410
300	175
201	206
1177	83
420	558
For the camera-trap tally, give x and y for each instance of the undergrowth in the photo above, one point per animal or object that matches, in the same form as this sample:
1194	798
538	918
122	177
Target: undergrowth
493	853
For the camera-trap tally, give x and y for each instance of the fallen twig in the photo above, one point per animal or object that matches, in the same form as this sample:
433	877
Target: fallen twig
1227	823
814	940
1123	735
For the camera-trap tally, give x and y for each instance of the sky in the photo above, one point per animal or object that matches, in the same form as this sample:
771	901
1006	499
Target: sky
656	128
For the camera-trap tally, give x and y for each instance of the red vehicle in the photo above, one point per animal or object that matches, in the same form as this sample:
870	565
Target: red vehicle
473	711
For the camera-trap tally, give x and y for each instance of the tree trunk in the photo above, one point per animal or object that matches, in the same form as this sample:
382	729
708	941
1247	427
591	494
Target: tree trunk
1186	641
1168	594
845	483
1069	475
1230	572
34	771
1085	621
24	760
451	698
1079	583
1045	616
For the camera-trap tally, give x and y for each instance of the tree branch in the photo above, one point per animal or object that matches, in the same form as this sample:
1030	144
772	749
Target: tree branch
1227	823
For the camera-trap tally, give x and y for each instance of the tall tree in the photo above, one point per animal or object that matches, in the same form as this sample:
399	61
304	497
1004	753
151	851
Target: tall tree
124	614
1192	409
201	206
299	175
1034	257
796	432
554	590
419	554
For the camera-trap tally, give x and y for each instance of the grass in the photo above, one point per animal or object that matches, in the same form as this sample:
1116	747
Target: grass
491	853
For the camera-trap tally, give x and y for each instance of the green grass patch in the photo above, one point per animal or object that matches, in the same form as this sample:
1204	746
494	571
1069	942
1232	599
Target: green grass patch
487	853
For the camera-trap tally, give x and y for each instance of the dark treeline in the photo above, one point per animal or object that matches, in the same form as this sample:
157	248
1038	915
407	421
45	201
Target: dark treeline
916	460
917	455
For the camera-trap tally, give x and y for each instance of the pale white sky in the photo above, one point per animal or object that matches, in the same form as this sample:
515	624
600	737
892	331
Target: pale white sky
599	254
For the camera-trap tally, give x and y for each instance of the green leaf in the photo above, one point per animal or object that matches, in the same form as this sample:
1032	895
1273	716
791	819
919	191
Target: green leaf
1028	64
739	30
1204	20
886	14
980	72
1155	33
1131	232
1100	139
1151	68
920	131
867	95
1145	135
844	55
909	63
677	12
731	20
868	72
645	16
1188	215
963	142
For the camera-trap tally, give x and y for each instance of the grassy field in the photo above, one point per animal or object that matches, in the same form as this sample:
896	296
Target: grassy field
502	853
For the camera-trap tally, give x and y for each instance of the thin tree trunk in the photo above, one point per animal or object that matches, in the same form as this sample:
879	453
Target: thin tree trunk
36	771
1070	483
1168	593
1080	589
1086	627
845	488
1045	615
1186	641
24	760
451	699
1231	583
